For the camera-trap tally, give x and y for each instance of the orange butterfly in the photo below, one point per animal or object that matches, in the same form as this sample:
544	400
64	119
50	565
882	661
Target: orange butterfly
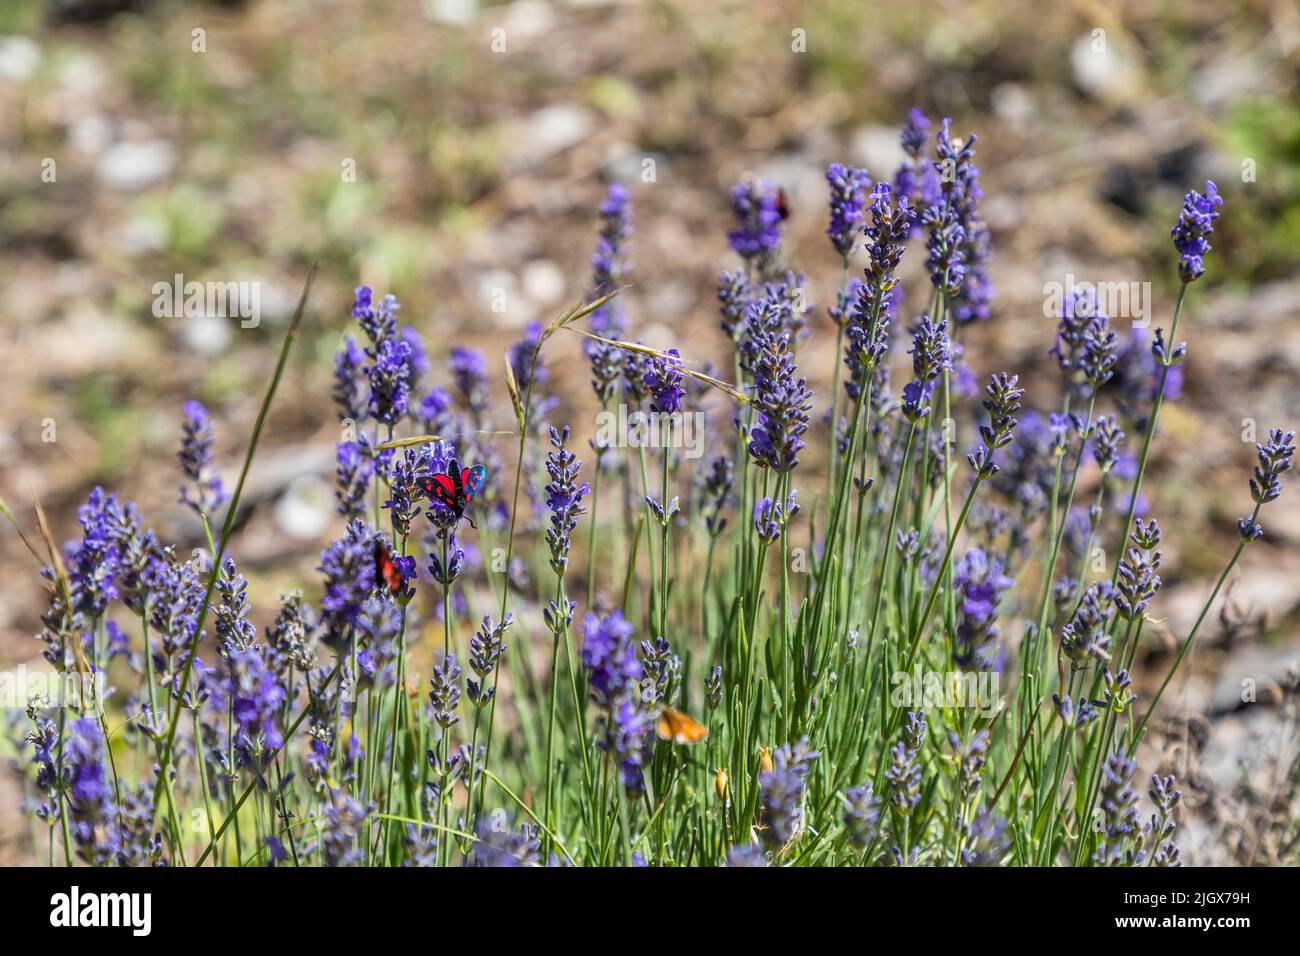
679	728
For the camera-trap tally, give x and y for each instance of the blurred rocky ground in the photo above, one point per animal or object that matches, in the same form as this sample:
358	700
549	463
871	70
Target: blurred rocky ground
454	153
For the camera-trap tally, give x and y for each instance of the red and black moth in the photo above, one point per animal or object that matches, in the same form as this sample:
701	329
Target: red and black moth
782	204
386	569
456	488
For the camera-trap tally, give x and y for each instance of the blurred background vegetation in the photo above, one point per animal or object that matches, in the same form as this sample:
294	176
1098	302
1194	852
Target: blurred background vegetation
217	140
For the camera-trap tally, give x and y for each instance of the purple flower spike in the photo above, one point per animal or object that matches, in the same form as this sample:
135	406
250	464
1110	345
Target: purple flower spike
849	187
1192	231
663	381
758	218
195	457
979	582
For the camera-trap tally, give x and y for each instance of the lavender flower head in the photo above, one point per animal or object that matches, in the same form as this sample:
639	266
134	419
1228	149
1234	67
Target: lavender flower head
348	565
395	359
849	186
353	474
406	488
782	402
486	648
979	582
959	177
610	657
861	815
256	700
90	801
931	355
903	777
529	371
782	790
771	517
1192	232
609	263
1002	402
758	219
1122	836
1085	342
945	248
715	492
444	693
1275	459
614	671
446	573
1085	637
390	380
1138	582
348	365
734	296
867	332
377	321
564	497
469	373
663	382
916	180
344	836
609	267
915	132
498	847
195	457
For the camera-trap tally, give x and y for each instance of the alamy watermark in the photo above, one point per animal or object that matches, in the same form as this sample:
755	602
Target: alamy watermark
75	908
973	690
55	688
637	429
226	300
1117	300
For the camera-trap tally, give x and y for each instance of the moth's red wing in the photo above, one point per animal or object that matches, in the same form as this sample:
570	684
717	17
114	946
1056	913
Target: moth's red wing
387	568
441	488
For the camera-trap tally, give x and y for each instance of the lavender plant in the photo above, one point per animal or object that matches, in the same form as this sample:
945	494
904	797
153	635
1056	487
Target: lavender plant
922	669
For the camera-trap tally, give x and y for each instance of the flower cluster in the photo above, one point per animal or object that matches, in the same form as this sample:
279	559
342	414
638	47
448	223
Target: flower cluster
1138	582
486	648
904	773
663	381
758	222
931	356
609	656
375	758
207	493
979	582
1275	459
1002	403
782	789
867	332
849	187
564	497
1192	231
609	267
1085	637
861	815
771	517
782	402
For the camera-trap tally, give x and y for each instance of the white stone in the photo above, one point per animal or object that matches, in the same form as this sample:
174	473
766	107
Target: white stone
306	508
543	281
452	12
206	334
1106	71
19	57
135	165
